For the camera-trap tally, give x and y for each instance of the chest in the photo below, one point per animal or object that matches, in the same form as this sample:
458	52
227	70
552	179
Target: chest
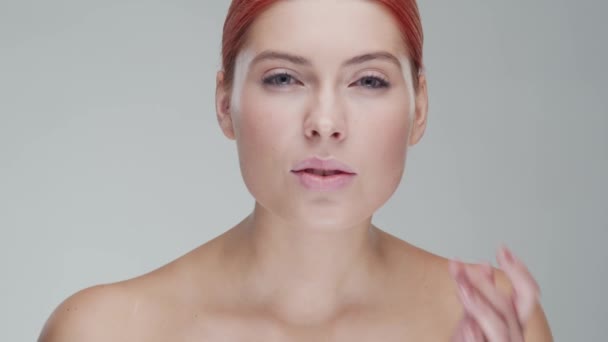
359	328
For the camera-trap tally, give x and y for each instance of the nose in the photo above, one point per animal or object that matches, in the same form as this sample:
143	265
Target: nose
326	120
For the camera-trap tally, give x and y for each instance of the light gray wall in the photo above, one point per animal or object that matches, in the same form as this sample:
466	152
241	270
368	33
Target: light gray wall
112	164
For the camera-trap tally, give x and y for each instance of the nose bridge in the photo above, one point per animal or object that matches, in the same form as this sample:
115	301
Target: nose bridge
326	118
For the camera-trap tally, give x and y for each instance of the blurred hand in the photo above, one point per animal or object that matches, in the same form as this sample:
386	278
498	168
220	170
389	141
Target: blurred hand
490	315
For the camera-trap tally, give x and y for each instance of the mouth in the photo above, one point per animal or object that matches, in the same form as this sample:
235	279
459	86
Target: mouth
322	167
322	173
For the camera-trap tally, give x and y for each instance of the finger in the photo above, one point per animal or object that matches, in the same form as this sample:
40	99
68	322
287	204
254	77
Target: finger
485	273
492	324
468	331
488	270
456	266
473	331
525	287
497	300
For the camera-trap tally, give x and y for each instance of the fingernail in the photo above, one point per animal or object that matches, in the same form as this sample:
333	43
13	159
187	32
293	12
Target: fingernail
508	255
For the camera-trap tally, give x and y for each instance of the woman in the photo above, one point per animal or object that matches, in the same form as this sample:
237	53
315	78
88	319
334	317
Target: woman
323	99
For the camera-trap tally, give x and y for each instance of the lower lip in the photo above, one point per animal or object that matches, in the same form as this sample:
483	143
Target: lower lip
324	183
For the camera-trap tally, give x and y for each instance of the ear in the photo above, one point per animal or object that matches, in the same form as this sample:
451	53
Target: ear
222	106
421	112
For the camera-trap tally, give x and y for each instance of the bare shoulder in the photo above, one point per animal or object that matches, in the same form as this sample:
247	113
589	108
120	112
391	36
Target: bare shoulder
156	306
433	296
439	290
430	270
92	314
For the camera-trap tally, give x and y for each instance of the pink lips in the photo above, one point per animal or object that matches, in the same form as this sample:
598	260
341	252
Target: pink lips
323	174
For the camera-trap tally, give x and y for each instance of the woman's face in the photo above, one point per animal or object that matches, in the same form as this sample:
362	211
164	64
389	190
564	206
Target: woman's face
299	92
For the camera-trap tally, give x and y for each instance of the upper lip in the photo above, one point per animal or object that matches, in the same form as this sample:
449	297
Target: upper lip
322	164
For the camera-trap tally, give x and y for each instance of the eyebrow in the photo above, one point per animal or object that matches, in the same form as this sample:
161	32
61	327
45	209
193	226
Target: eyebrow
380	55
274	55
299	60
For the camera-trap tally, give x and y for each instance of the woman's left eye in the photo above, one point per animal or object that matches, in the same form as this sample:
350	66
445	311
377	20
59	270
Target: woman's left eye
373	82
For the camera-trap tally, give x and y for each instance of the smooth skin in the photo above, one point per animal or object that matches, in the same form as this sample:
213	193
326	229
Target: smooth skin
308	265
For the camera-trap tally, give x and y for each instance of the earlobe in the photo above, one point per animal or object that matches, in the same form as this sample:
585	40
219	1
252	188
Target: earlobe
421	112
222	107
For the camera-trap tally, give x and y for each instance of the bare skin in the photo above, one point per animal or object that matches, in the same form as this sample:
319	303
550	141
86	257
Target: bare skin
308	265
202	297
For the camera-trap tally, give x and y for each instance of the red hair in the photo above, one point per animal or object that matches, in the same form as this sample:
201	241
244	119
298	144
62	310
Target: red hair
242	13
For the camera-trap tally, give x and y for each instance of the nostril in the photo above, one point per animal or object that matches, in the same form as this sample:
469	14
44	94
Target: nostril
317	133
313	133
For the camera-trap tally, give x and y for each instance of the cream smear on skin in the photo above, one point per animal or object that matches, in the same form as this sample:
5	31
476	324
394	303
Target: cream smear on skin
409	82
241	68
245	58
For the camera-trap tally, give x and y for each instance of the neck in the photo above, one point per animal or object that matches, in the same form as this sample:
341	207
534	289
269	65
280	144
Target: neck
306	272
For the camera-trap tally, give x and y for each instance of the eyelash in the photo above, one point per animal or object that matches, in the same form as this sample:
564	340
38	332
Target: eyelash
269	79
383	83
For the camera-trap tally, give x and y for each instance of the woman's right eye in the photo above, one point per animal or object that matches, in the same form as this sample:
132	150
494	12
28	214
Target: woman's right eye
278	80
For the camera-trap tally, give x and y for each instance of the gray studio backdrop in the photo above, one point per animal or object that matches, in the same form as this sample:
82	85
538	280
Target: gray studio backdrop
112	164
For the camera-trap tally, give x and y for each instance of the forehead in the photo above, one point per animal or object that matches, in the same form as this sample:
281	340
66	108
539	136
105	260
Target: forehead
326	28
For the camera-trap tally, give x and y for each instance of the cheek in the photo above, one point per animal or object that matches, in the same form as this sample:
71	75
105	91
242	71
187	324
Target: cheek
266	120
265	131
385	125
391	147
385	131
